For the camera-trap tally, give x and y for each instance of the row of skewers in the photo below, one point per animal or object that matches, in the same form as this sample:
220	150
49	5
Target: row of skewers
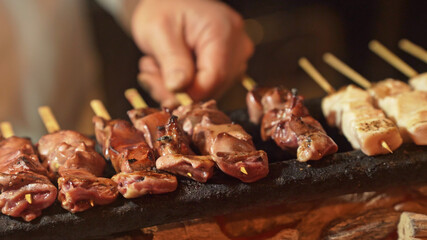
149	153
146	156
378	118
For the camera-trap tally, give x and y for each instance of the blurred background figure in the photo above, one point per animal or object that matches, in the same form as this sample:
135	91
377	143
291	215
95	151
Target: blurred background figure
63	53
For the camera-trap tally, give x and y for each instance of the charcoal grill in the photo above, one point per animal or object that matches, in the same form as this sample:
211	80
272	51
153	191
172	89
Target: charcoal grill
345	172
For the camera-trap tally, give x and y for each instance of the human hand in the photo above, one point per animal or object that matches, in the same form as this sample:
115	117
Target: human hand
196	46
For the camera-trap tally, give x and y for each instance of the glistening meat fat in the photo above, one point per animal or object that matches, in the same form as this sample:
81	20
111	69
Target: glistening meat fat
286	120
25	188
227	143
132	159
71	157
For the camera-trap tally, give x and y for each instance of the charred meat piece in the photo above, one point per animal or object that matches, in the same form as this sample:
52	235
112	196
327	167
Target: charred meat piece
147	120
24	186
287	121
176	155
232	150
132	159
72	158
189	116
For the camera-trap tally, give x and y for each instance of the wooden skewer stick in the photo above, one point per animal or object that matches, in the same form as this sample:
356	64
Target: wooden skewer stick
48	119
99	109
248	83
6	129
344	69
135	98
413	49
317	77
321	80
392	59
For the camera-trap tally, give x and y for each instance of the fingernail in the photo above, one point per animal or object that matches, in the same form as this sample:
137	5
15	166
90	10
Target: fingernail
175	80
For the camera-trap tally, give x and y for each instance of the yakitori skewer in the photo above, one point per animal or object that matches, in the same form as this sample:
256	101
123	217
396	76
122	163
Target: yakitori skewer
413	49
130	155
169	140
351	110
417	81
229	145
287	121
71	159
396	99
25	189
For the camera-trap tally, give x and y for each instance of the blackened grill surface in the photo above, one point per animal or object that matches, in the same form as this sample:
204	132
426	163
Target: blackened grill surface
288	180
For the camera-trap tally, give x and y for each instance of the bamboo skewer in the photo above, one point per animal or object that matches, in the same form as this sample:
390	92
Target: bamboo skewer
52	126
99	109
392	59
413	49
248	83
135	98
315	75
48	119
6	129
341	67
7	132
344	69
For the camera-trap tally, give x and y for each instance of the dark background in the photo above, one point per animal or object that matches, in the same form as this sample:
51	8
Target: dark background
283	32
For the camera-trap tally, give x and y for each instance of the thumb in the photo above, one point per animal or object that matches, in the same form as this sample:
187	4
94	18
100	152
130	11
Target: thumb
174	58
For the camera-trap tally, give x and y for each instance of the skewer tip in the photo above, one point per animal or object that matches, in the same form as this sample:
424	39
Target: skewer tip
243	170
48	119
6	129
28	198
99	109
248	83
386	146
91	203
135	98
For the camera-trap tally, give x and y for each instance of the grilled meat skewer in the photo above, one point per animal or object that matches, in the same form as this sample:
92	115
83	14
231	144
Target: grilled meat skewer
227	143
71	158
164	134
130	156
24	185
286	120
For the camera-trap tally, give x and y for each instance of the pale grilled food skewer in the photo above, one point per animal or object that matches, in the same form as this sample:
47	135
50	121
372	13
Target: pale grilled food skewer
394	98
416	80
351	110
